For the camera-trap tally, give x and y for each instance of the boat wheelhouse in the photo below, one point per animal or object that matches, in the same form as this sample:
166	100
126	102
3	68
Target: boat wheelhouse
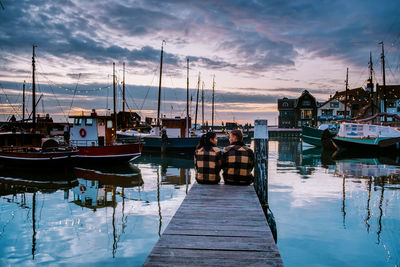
94	136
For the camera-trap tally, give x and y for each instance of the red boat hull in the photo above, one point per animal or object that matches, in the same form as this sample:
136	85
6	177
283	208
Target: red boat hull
115	152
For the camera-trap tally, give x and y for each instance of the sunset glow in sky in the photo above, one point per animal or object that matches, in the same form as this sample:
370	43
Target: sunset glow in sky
258	51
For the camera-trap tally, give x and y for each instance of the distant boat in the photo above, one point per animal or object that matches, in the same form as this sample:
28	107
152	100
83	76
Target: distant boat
30	149
367	138
94	136
171	134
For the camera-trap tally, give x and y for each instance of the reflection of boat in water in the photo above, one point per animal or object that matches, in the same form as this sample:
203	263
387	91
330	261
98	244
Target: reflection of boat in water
132	179
367	167
97	187
15	181
174	170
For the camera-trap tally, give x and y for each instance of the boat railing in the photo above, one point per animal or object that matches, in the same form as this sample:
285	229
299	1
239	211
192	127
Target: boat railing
19	149
84	142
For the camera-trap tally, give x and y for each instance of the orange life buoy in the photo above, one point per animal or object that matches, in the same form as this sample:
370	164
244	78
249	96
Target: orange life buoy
82	132
82	188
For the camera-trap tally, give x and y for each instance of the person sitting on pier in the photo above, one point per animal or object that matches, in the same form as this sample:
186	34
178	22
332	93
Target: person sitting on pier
237	161
207	159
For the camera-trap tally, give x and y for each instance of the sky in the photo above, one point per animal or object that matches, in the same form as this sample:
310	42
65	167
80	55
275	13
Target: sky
257	51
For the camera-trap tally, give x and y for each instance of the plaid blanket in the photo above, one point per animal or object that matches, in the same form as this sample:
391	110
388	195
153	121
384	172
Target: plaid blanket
208	162
237	164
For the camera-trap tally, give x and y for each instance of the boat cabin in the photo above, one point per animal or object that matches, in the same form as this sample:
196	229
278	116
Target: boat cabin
174	127
366	131
93	130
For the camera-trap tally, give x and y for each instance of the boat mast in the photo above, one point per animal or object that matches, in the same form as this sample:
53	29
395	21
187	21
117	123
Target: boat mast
197	101
384	79
212	108
123	94
187	97
114	102
202	105
159	85
33	90
23	102
371	83
345	95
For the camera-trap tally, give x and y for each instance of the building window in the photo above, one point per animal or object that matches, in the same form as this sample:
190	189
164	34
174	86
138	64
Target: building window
306	103
391	103
285	104
327	112
306	114
334	104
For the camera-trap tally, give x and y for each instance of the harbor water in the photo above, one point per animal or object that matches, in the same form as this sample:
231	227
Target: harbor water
329	211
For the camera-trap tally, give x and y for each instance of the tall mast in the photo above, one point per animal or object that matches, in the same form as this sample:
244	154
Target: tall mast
384	78
345	95
114	102
371	83
187	97
23	102
212	108
159	85
33	90
202	105
197	101
123	93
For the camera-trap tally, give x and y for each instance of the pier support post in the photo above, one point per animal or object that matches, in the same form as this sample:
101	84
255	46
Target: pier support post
261	161
261	171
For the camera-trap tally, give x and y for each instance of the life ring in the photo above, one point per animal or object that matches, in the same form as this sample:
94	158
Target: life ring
82	188
82	132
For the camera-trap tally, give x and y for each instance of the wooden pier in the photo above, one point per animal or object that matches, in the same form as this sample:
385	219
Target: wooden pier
217	225
223	225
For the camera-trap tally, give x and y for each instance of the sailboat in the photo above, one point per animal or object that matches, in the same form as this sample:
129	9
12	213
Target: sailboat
171	134
369	137
31	149
95	136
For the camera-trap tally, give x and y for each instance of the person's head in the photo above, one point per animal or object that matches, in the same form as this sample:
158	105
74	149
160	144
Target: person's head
235	136
208	139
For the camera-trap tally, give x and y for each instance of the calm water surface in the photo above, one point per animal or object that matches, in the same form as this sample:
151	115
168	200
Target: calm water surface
105	215
343	212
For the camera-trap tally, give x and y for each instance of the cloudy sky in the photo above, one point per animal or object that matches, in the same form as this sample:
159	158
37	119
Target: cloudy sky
258	51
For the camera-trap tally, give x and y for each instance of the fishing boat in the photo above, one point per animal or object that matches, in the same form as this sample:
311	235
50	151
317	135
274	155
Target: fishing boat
31	148
368	138
37	156
95	137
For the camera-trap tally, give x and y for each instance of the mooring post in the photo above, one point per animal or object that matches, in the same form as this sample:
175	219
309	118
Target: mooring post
261	161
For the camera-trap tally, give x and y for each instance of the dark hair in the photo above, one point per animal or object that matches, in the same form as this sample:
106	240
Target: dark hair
238	134
205	140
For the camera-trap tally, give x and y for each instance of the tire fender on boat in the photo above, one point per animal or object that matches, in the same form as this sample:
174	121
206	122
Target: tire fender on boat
82	132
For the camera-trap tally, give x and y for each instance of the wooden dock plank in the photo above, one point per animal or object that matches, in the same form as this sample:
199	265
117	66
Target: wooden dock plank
217	225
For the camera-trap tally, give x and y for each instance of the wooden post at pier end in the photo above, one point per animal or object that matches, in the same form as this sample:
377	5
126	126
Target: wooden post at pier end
261	161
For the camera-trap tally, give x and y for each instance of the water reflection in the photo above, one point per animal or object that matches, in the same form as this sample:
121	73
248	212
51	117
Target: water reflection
118	210
15	183
363	188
